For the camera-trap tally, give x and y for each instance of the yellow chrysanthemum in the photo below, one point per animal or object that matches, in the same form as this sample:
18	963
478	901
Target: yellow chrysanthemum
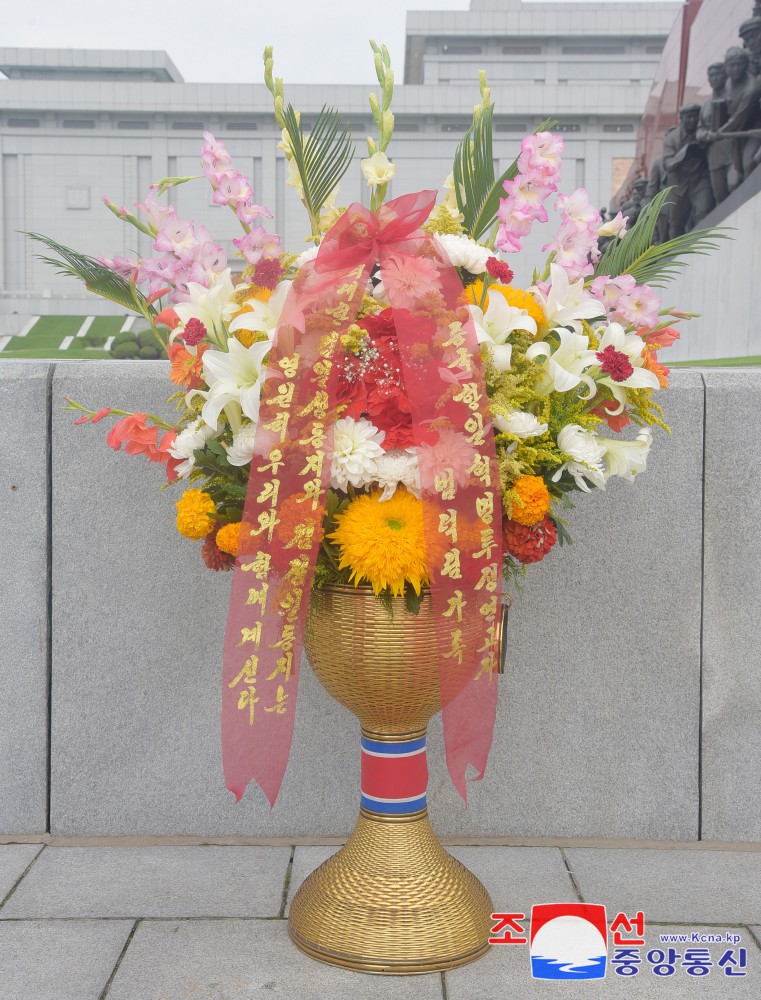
529	500
248	292
383	541
228	538
195	514
515	297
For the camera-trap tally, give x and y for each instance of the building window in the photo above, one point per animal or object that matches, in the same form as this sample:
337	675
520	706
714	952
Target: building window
241	126
567	127
616	127
593	50
462	50
521	50
406	127
142	126
24	122
511	127
78	123
188	126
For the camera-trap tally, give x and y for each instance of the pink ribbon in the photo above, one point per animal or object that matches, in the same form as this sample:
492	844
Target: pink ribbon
290	474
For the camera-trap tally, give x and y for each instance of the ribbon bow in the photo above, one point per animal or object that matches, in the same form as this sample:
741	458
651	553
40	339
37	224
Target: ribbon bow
290	475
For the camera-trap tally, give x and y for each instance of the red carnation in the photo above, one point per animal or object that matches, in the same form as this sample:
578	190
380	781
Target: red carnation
194	332
268	272
499	269
529	544
615	363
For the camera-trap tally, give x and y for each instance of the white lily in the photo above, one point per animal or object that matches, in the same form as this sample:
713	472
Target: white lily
632	346
627	458
495	326
565	365
565	303
233	376
263	317
209	305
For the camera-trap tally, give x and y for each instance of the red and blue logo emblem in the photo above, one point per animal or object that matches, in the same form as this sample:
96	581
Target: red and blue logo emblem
568	941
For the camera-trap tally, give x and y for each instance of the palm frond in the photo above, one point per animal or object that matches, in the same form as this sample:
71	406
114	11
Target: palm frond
477	190
655	265
322	157
97	279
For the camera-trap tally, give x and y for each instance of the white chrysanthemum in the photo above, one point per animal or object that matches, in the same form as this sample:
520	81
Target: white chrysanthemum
627	458
307	255
522	425
586	451
187	442
241	451
465	252
396	467
354	451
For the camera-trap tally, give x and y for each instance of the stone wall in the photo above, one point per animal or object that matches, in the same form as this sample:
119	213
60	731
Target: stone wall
629	708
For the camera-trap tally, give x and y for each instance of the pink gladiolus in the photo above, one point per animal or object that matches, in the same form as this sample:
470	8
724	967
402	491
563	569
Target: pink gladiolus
638	307
609	290
541	152
100	415
576	207
156	213
257	244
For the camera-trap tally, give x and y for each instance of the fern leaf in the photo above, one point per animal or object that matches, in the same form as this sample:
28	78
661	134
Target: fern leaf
97	279
322	157
655	265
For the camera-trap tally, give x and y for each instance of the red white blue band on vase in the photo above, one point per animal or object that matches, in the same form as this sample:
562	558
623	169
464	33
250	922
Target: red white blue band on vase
394	776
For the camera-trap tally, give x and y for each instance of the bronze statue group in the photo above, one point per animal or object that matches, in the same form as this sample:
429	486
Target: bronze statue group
714	148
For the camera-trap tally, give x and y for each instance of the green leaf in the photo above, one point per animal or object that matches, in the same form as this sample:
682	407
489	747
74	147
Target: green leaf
412	601
322	157
98	279
655	265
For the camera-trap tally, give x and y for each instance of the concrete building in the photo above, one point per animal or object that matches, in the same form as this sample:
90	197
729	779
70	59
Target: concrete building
78	124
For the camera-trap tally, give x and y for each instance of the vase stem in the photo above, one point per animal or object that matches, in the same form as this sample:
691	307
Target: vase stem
394	774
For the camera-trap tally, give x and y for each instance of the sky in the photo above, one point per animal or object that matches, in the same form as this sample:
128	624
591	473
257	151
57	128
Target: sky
315	41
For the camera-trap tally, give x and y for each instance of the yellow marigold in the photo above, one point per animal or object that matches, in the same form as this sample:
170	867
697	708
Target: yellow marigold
228	538
529	500
383	541
515	297
195	514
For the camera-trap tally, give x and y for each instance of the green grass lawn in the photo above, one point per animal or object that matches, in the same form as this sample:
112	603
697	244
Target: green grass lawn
749	362
47	334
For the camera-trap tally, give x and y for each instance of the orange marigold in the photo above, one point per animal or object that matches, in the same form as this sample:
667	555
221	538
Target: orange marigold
195	514
228	538
529	500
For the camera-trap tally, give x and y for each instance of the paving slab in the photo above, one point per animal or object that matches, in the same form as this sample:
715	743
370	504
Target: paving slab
244	960
712	886
305	860
505	974
153	882
59	959
24	596
14	859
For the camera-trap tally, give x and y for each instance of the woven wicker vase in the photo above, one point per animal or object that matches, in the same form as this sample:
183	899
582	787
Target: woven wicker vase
391	901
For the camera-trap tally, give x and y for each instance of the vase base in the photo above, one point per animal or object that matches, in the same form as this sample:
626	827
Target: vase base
392	902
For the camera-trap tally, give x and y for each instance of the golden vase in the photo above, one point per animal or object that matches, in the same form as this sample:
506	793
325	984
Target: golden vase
391	901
